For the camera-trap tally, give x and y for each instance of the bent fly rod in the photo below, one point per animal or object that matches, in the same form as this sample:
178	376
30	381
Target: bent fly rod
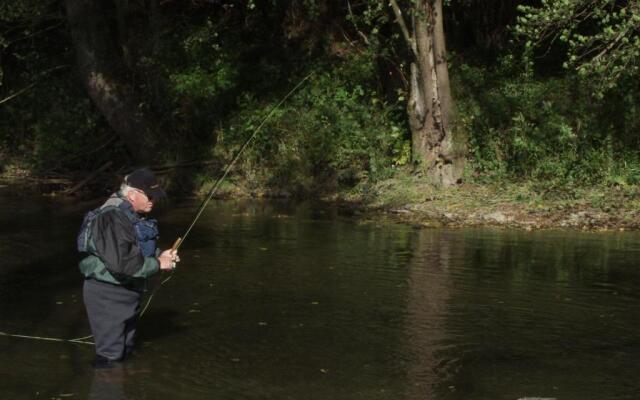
180	240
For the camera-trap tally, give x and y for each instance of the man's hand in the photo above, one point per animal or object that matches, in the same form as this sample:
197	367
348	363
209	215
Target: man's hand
168	259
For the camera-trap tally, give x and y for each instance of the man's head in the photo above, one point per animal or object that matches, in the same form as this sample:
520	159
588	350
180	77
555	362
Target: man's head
142	190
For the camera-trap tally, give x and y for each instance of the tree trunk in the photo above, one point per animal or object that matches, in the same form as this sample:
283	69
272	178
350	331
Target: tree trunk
154	24
122	13
99	65
430	105
442	69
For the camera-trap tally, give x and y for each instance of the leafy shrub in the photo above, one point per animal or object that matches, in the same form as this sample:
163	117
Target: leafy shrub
333	131
551	130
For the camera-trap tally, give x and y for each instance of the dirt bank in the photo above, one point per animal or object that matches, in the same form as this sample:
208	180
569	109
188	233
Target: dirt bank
407	199
512	206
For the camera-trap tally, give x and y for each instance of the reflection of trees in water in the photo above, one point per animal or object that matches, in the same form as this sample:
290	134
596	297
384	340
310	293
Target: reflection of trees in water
108	384
555	256
429	290
120	382
488	307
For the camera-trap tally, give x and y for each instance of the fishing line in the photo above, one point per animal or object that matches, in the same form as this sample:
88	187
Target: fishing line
180	240
77	340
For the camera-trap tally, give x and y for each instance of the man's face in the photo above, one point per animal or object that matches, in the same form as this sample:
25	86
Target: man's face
140	202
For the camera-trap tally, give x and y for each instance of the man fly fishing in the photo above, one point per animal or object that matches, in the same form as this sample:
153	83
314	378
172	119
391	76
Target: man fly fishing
120	243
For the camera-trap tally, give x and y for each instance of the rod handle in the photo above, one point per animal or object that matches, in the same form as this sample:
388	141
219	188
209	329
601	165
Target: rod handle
176	243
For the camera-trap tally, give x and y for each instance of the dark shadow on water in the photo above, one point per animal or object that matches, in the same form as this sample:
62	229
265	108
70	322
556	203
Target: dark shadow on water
117	383
42	298
156	324
108	384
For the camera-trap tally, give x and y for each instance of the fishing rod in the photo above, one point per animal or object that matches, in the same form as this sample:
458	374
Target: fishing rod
180	240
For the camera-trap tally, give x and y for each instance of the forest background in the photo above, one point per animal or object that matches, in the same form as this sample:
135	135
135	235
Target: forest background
541	110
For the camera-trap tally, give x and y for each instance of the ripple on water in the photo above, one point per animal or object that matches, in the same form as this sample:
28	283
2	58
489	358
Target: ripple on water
273	302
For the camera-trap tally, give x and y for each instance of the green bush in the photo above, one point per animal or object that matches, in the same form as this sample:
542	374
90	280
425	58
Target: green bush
551	131
334	132
53	128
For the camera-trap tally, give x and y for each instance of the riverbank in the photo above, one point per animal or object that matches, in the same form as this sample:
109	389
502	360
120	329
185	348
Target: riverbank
508	205
408	199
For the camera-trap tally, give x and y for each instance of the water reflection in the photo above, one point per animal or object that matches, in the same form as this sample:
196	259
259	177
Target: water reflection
539	315
108	384
122	381
278	301
428	294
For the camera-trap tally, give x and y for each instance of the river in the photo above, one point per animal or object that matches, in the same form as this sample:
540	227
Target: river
274	300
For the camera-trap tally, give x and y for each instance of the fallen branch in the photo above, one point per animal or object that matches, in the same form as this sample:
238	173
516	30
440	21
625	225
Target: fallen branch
111	139
19	92
88	178
160	168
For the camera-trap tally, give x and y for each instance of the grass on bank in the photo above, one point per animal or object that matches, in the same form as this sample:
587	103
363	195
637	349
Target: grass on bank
406	190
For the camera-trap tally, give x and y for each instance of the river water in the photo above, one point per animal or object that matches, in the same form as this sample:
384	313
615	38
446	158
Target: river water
281	301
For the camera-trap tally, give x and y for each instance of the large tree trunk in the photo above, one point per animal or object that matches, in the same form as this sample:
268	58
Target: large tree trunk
100	66
430	105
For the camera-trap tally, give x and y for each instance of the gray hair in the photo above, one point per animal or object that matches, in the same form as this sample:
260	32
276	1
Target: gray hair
125	189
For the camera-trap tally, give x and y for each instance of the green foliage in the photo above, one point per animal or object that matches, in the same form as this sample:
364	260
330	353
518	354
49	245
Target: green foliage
211	71
201	69
19	20
332	132
197	82
53	135
47	125
601	38
549	131
23	10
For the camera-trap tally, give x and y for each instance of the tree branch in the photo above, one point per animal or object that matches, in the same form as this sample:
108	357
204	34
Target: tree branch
161	168
36	33
18	93
611	45
88	178
403	26
353	20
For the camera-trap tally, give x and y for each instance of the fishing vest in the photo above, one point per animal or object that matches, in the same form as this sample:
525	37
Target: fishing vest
146	229
146	234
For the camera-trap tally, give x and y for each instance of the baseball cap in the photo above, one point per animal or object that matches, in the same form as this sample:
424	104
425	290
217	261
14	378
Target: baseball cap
145	180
